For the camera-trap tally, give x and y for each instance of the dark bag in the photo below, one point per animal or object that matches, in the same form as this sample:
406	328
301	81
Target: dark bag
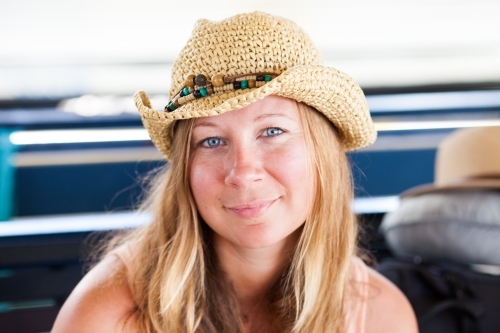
447	298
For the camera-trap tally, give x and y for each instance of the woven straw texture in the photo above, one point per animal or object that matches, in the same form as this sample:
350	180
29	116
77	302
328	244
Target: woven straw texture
256	43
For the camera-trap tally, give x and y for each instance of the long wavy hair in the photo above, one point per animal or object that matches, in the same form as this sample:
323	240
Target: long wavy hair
174	272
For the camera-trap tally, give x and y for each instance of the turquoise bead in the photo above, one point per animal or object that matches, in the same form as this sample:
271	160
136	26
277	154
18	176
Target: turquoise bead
267	78
185	91
203	92
244	84
171	107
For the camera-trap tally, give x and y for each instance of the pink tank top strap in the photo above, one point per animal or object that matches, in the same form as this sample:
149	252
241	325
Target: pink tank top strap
356	297
123	252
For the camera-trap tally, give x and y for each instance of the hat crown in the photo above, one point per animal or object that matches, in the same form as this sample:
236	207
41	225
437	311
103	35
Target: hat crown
469	153
243	44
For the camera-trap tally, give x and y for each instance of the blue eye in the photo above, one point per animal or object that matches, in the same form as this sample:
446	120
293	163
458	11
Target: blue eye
272	131
211	142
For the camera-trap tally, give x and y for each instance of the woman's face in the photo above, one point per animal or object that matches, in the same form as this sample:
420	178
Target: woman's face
249	173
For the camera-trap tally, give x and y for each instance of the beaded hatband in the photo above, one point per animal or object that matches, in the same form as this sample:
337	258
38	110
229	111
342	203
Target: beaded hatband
197	86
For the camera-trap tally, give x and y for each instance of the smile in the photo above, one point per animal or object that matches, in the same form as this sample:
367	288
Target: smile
253	210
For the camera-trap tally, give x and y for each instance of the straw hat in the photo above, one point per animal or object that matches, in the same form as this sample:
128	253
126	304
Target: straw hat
466	159
274	56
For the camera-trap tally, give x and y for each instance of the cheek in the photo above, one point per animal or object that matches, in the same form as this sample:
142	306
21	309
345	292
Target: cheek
196	177
294	172
200	178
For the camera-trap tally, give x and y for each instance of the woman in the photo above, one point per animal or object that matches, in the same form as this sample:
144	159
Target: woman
252	229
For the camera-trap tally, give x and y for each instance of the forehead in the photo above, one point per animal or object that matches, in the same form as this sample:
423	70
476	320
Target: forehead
270	106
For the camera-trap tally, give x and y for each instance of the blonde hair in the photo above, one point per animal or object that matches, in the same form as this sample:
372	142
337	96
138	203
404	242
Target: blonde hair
177	278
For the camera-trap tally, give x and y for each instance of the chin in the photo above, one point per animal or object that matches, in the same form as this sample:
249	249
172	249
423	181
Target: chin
261	239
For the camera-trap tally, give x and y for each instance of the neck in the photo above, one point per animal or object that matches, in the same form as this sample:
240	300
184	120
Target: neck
254	271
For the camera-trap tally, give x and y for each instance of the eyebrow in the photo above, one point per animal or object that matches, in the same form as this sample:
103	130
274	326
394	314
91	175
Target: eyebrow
270	115
207	123
204	124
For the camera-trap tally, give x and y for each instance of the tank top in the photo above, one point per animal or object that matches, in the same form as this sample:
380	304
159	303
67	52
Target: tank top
356	298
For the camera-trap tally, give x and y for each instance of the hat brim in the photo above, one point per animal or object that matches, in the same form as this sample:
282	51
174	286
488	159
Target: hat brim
468	184
333	93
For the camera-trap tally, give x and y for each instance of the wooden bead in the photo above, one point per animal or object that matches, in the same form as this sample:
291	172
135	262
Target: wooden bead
251	83
189	82
210	89
218	80
186	99
200	80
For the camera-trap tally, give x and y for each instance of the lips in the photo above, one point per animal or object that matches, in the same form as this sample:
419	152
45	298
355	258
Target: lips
251	210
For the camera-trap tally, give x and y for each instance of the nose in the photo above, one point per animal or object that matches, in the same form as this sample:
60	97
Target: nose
244	166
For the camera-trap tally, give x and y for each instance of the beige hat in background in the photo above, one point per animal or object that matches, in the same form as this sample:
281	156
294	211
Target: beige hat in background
468	158
246	47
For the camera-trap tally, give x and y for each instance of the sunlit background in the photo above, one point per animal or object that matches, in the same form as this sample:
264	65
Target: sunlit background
59	49
73	151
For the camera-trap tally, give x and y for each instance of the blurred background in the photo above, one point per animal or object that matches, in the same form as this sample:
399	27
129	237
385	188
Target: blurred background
73	150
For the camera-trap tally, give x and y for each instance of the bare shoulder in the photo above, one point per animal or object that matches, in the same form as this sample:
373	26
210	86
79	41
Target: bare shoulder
388	309
101	302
